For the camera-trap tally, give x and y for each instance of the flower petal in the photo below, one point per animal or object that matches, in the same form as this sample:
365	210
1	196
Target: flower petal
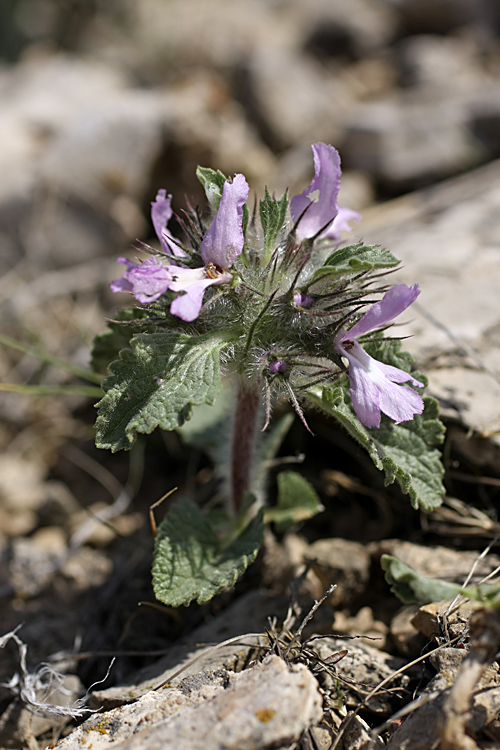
223	242
161	213
187	306
373	388
400	402
123	284
194	282
397	375
147	281
341	223
364	395
392	304
320	198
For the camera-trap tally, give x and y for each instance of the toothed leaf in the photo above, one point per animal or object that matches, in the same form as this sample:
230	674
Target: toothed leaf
191	562
406	451
155	383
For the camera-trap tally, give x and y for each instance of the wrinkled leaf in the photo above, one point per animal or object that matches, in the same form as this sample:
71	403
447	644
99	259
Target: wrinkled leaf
406	452
191	562
108	344
155	383
357	258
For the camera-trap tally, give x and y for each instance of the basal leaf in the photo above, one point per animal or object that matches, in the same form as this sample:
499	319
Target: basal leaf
212	182
413	588
190	561
155	383
406	452
297	501
273	217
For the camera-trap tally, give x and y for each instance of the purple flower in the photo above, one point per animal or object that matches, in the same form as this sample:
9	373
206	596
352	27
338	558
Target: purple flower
373	385
147	281
317	205
277	366
224	240
302	299
161	213
219	248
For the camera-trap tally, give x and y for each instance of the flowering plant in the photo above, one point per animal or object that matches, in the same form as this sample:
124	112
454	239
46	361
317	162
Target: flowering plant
265	305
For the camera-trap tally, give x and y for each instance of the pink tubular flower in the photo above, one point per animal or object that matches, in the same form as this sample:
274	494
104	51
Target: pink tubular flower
317	205
374	386
161	213
219	248
147	281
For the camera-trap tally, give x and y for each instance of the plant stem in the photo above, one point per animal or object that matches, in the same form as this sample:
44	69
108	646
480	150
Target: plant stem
245	426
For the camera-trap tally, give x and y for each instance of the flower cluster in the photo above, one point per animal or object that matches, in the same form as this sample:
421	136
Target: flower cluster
295	318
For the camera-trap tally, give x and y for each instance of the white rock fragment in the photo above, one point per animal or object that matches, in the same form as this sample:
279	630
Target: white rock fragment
268	706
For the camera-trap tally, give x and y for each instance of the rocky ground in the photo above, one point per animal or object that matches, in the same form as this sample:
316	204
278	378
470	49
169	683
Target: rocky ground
102	103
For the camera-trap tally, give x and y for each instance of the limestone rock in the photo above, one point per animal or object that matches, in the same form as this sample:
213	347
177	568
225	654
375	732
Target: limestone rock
268	706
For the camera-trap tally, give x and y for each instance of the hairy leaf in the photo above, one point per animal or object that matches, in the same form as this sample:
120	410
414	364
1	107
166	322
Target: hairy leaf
108	344
191	562
357	258
155	383
406	452
272	216
212	182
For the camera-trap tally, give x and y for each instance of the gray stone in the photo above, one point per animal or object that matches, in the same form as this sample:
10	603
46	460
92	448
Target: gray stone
422	727
342	562
438	16
409	139
447	238
248	614
357	735
268	706
363	668
311	106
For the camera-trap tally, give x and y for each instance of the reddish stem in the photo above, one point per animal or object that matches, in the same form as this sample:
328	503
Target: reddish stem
245	425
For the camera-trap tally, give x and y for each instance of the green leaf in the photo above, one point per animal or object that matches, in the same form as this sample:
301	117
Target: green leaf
191	562
297	501
413	588
273	217
155	383
212	182
405	452
357	258
108	344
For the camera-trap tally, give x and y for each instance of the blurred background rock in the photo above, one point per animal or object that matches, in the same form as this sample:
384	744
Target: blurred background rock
104	101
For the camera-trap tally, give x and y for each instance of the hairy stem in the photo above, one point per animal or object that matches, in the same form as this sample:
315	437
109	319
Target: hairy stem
244	431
